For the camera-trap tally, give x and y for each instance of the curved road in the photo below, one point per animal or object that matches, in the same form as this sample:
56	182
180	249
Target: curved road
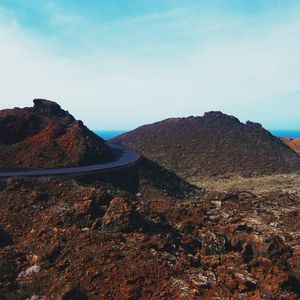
122	157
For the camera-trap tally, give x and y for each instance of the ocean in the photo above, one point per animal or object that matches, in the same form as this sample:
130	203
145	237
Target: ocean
286	133
109	134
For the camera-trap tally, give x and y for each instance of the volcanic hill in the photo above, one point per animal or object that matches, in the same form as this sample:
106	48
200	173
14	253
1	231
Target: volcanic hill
46	136
95	237
212	145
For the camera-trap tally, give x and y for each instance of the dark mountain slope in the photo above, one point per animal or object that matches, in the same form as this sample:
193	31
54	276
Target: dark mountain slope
215	144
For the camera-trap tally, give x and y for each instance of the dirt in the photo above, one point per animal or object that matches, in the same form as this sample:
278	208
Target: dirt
61	239
293	143
143	232
289	182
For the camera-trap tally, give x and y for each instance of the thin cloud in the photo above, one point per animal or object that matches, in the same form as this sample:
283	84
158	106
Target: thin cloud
111	89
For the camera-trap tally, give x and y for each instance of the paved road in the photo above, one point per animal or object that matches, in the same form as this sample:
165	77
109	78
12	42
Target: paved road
122	157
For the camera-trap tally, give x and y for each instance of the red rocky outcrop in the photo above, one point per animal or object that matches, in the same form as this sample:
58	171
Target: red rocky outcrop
46	136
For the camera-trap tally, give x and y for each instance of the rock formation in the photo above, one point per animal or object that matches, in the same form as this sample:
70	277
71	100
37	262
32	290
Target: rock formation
102	243
46	136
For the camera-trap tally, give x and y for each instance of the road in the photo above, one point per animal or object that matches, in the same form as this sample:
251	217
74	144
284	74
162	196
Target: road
122	157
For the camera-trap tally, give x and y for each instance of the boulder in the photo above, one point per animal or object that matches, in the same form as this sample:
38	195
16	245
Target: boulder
120	216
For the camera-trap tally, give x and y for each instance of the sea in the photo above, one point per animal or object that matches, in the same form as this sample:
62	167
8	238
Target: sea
109	134
286	133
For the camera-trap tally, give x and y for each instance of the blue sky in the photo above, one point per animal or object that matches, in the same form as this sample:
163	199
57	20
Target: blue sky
120	64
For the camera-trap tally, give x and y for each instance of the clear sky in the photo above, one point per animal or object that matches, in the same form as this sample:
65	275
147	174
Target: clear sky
118	64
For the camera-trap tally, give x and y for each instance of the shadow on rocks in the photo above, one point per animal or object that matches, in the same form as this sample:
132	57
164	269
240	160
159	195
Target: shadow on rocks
5	238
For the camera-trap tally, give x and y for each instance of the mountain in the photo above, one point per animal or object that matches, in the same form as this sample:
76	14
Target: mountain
293	143
136	232
215	144
46	136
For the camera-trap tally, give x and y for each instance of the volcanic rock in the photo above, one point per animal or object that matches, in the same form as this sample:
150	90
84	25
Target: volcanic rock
46	136
46	107
149	247
160	239
215	144
120	215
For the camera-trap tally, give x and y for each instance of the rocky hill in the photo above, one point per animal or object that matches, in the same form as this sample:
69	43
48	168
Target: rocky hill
215	144
46	136
140	232
293	143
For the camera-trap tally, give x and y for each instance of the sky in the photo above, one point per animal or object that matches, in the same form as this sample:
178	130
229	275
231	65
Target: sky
119	64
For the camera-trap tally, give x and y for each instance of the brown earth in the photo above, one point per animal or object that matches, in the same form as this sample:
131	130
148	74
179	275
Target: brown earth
45	136
293	143
143	232
257	184
61	239
213	145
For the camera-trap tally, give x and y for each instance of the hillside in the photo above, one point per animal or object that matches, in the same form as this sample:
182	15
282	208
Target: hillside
212	145
46	136
293	143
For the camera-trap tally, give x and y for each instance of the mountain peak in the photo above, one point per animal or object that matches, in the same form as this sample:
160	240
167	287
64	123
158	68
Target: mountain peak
46	136
46	107
213	114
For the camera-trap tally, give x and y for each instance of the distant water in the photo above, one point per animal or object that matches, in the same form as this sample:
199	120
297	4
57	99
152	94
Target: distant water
109	134
286	133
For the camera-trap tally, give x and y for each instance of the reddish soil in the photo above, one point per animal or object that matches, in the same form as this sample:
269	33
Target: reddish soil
293	143
45	136
143	232
66	240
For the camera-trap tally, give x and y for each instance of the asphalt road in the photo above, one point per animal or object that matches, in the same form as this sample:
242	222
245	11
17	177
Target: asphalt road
122	157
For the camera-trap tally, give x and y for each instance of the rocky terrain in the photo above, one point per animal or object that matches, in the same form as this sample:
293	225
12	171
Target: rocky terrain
46	136
142	232
95	241
213	145
293	143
